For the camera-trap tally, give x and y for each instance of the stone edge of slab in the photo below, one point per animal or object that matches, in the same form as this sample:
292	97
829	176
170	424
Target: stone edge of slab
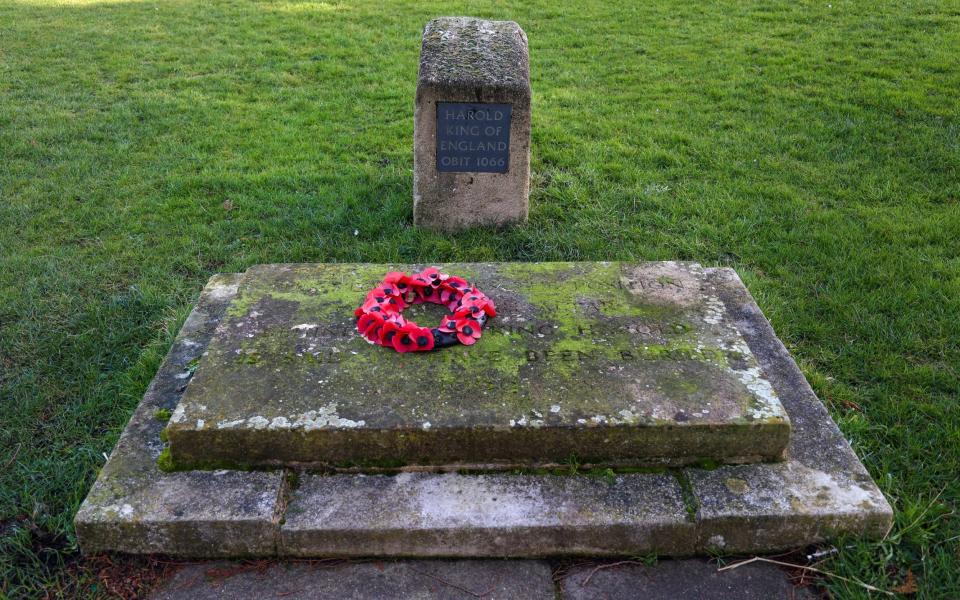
822	490
134	507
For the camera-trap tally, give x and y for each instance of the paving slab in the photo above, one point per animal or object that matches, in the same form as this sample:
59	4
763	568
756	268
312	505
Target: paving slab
426	514
410	579
690	579
136	508
821	490
612	363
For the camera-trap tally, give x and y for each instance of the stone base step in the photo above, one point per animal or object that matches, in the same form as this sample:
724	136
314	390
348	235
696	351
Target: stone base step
819	492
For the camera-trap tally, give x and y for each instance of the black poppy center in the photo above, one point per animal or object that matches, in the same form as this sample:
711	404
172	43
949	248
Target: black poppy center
422	341
468	330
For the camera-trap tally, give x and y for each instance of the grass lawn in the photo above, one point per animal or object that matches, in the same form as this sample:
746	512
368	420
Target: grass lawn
815	147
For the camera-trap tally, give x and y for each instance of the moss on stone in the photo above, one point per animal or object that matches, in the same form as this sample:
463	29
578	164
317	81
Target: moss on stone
690	503
292	479
165	461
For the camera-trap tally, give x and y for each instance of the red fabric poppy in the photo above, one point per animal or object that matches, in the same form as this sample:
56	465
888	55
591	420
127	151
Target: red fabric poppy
416	286
457	283
402	282
448	324
434	276
388	331
468	312
384	294
396	277
475	297
369	325
449	296
424	339
468	331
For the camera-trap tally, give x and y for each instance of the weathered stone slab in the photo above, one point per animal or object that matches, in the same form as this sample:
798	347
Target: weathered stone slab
427	514
819	492
471	125
611	363
374	580
134	507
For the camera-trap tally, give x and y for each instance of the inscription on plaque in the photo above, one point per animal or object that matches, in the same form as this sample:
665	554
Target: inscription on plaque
473	137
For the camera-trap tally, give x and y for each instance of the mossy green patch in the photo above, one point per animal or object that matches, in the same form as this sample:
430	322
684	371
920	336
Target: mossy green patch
165	461
690	502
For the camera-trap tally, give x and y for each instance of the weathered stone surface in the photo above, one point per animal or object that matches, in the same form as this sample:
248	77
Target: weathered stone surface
680	580
387	580
819	492
611	363
134	507
425	514
465	60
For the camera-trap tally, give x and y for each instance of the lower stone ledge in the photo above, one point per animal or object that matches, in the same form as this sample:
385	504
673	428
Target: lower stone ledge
199	514
487	515
136	508
235	514
783	506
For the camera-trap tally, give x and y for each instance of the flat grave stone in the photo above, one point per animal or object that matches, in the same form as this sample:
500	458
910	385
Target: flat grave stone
819	493
598	363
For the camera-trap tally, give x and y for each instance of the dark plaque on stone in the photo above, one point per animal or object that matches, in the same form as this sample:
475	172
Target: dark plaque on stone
473	137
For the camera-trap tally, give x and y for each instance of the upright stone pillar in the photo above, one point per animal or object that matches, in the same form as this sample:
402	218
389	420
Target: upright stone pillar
471	162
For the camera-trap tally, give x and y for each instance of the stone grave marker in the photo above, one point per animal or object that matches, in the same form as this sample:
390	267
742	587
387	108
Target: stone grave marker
471	125
654	361
610	363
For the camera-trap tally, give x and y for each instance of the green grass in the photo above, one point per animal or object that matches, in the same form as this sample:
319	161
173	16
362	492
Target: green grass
815	147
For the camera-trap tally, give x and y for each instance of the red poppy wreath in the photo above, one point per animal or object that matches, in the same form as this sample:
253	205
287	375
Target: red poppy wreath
380	321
